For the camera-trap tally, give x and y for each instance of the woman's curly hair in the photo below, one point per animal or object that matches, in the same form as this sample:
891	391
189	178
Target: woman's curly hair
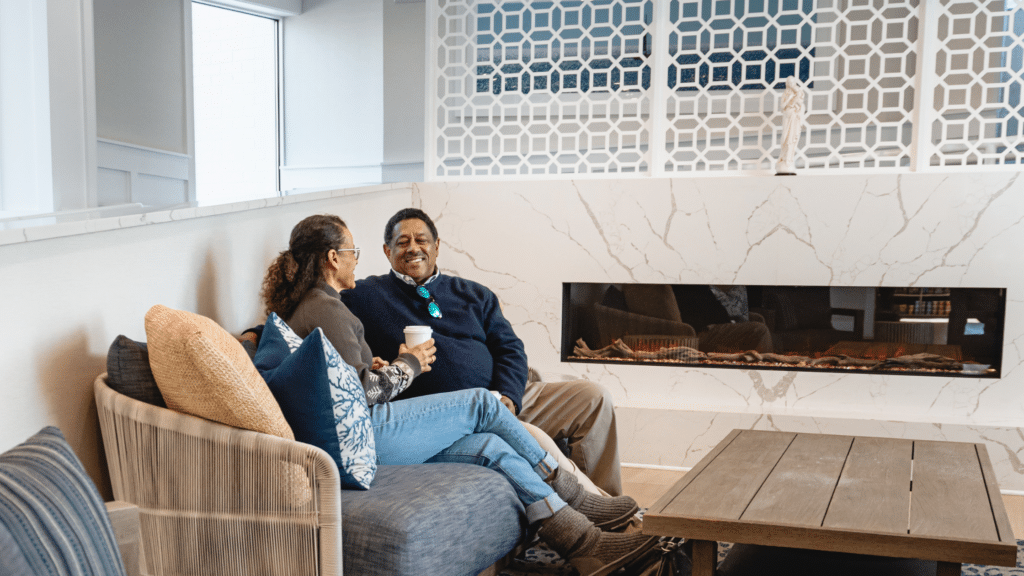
298	269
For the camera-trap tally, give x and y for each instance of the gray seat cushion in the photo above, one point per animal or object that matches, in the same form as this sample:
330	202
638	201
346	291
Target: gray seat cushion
452	519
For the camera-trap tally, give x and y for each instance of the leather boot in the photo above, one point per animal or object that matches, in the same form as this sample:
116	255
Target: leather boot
591	551
608	513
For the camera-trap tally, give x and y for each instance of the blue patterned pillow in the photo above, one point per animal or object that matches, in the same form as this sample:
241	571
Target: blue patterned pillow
52	511
321	398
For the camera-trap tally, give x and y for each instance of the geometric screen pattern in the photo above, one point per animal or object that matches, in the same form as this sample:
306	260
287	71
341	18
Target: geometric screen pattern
573	45
655	87
557	87
979	116
729	60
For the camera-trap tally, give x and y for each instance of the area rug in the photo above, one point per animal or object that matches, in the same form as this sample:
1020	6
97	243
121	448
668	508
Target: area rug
539	560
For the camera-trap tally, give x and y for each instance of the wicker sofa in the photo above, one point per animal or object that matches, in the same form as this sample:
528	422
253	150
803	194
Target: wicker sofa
213	499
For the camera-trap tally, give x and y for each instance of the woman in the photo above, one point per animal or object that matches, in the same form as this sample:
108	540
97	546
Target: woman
303	287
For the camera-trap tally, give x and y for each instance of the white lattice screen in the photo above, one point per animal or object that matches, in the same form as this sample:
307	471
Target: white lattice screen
542	87
978	66
653	87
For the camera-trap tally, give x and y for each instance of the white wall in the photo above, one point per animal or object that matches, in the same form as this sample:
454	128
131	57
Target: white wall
333	94
404	77
143	109
66	299
141	93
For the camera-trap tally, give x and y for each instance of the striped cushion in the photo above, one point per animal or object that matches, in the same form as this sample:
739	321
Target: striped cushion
14	563
52	510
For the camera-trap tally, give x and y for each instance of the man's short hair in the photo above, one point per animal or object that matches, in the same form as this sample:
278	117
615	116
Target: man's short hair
406	214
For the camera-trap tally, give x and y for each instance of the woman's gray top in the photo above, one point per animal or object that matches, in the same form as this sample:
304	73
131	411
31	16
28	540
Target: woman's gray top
322	308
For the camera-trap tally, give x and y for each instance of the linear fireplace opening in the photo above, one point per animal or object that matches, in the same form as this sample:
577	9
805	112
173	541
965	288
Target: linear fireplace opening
891	330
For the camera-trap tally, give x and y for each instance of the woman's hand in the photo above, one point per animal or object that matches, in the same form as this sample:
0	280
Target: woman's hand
424	352
379	363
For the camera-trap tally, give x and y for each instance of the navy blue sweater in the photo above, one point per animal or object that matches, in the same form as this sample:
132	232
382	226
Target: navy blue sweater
476	347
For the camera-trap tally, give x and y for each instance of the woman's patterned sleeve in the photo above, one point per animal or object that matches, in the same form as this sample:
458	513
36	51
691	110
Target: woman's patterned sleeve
388	382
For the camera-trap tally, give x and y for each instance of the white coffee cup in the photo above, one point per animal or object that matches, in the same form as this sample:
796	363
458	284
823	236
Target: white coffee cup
415	335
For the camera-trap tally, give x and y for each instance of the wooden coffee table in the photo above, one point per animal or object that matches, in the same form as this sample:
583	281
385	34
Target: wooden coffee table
879	496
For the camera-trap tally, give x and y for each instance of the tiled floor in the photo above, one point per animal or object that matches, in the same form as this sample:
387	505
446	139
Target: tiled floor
646	485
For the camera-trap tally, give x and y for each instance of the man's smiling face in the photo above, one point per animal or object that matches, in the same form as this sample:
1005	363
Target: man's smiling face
413	250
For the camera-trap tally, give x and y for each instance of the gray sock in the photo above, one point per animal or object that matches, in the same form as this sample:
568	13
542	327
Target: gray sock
598	509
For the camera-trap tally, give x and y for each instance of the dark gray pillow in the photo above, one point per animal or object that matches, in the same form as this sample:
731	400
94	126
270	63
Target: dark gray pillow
128	371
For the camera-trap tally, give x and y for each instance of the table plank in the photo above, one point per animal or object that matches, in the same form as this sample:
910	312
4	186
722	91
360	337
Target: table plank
859	482
799	489
728	483
949	497
873	493
659	505
995	498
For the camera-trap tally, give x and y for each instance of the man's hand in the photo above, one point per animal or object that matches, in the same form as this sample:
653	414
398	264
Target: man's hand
424	352
378	363
509	404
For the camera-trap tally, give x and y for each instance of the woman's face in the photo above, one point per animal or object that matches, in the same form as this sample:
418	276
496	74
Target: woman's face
342	269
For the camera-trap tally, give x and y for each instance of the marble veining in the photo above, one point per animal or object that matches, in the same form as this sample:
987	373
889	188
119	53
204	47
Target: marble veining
523	239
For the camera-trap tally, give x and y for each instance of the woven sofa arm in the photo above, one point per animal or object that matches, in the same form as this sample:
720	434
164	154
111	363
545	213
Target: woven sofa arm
214	499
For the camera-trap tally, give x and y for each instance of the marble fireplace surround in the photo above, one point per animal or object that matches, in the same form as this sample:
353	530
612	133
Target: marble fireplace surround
523	239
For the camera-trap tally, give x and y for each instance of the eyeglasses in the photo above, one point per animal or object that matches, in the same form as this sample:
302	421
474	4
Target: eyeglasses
432	306
355	251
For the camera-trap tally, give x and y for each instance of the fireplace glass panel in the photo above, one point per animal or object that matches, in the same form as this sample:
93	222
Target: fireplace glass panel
901	330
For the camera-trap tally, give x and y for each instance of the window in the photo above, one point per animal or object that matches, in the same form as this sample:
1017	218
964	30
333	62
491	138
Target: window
235	86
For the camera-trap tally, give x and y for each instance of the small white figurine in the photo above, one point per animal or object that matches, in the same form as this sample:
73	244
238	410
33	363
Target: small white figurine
792	125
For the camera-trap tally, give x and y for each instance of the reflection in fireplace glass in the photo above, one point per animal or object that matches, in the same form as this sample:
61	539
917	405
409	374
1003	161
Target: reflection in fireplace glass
903	330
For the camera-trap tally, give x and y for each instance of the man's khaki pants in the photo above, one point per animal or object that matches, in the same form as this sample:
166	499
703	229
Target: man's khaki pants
582	413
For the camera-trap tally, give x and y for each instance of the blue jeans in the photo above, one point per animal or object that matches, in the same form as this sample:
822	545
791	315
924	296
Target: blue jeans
468	426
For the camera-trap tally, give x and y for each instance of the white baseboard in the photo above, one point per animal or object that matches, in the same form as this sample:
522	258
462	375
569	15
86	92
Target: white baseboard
654	467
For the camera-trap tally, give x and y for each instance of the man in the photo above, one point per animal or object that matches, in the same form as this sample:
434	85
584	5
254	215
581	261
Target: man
477	348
